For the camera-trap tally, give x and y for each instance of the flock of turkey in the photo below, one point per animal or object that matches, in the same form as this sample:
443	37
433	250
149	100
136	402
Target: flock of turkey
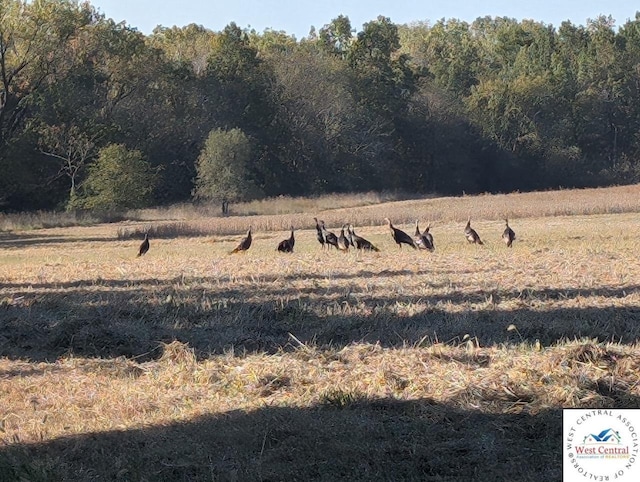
349	239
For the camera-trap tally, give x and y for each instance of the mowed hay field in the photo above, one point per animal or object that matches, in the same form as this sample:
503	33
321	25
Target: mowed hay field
191	364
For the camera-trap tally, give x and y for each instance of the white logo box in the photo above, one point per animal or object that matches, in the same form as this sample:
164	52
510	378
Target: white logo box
601	444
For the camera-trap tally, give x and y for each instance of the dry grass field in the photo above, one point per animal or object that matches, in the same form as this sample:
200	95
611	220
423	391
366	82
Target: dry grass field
191	364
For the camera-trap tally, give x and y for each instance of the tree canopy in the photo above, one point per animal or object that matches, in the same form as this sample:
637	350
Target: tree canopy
119	179
223	167
492	105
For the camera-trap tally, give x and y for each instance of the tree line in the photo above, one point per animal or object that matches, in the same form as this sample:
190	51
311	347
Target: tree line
96	115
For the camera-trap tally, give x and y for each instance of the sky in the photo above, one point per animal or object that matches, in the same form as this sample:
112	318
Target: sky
295	17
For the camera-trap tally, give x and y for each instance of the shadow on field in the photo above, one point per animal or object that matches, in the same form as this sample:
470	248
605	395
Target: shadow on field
108	318
15	240
346	437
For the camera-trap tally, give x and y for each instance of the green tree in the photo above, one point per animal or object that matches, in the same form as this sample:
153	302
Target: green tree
448	51
336	37
385	77
36	40
328	141
384	83
223	167
119	179
600	120
272	42
185	45
629	141
236	83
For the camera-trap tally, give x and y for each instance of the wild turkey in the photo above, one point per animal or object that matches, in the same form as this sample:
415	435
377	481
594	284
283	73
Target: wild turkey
319	233
359	242
330	238
286	245
400	237
429	237
471	235
508	236
423	240
144	246
349	236
343	242
244	244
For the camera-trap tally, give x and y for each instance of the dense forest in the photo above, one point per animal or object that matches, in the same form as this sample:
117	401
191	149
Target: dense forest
94	114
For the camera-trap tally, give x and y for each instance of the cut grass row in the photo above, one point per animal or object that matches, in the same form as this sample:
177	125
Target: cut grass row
367	209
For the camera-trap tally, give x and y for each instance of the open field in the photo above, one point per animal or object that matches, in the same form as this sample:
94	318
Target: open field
190	364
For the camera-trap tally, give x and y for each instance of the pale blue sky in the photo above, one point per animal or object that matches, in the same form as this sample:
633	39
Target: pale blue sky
297	16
